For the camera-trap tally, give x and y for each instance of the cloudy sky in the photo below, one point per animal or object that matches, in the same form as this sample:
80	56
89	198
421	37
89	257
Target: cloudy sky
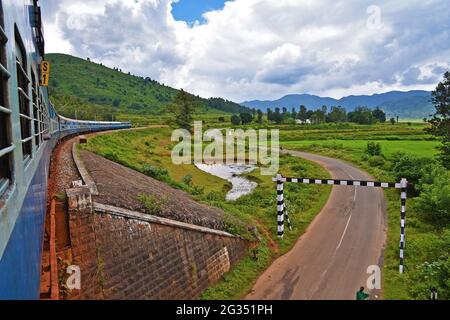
260	49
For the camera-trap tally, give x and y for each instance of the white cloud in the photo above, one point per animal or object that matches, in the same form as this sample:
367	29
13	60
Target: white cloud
262	48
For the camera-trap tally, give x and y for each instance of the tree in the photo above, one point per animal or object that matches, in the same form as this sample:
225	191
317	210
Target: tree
302	114
337	114
235	120
440	123
373	149
116	103
277	116
269	114
246	118
361	115
318	117
182	107
294	113
260	116
392	121
379	114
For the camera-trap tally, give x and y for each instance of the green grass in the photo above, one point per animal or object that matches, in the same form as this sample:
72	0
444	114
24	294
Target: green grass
389	147
138	148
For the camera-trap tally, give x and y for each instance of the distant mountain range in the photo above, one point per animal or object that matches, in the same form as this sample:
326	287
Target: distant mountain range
411	104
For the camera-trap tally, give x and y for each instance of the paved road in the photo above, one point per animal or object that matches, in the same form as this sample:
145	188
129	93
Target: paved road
330	260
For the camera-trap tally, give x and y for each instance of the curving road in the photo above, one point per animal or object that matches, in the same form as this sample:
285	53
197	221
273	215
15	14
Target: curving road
329	262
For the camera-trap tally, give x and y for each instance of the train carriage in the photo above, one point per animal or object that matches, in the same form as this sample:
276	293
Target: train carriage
30	128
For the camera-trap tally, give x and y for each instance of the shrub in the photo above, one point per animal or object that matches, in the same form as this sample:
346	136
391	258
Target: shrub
376	161
155	172
187	179
197	190
373	149
409	167
151	204
235	120
435	272
434	199
116	103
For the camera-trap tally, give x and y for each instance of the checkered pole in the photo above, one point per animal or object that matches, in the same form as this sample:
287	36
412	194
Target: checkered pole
280	205
404	185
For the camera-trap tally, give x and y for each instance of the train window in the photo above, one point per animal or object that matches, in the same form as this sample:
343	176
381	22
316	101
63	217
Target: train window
24	100
36	116
41	118
46	117
6	147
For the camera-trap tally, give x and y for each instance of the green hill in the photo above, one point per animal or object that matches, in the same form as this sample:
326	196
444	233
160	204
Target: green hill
91	90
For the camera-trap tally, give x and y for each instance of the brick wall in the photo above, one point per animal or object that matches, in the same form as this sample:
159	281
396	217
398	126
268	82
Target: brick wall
122	256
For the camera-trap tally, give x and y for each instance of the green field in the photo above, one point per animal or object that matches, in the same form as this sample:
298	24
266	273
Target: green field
418	148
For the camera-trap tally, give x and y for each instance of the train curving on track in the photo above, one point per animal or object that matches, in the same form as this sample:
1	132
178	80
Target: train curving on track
30	128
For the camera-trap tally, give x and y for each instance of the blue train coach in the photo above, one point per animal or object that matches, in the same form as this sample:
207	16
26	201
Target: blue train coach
30	128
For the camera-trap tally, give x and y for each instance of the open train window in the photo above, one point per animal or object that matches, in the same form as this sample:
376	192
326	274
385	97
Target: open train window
6	147
23	83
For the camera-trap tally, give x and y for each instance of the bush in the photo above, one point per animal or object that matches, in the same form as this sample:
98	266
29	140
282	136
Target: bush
435	272
155	172
434	199
187	179
410	167
151	204
235	120
197	190
116	103
373	149
376	161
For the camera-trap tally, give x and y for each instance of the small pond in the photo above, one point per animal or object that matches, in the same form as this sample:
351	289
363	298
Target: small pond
232	173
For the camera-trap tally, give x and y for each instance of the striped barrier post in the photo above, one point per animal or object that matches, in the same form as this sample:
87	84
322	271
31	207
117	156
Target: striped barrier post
282	211
280	205
404	185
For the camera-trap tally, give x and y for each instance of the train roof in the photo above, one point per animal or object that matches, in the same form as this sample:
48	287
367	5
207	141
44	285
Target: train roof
92	122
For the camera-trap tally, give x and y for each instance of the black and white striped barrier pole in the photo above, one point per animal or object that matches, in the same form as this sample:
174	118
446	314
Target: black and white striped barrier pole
404	185
280	180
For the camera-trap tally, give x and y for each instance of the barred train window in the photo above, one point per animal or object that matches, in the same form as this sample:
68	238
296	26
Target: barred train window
24	100
36	116
6	147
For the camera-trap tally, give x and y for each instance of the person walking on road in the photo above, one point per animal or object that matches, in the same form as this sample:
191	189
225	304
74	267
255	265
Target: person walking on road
361	295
